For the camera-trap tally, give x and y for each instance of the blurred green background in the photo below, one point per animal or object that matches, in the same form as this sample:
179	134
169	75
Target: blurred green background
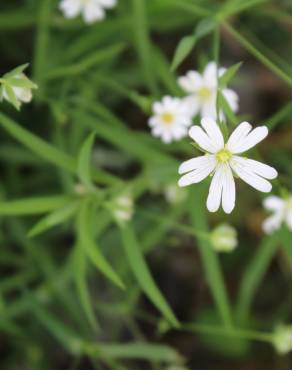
59	307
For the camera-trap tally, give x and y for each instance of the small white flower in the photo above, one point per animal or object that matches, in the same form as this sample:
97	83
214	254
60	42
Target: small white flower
224	238
283	339
91	10
202	91
170	120
222	160
282	213
123	208
16	87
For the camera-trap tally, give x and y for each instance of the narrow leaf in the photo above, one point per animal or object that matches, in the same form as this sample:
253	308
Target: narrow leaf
55	218
83	164
183	49
140	270
80	267
228	74
187	43
31	206
90	247
137	351
37	145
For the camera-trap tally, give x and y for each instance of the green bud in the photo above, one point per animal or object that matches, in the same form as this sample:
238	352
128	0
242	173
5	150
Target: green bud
224	238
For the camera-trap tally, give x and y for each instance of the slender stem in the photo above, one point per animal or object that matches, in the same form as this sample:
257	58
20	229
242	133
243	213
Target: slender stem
257	54
209	257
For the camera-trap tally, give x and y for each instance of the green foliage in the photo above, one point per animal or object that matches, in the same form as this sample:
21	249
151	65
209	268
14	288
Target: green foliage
79	288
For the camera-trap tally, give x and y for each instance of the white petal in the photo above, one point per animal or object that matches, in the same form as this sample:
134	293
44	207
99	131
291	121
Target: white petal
238	136
259	168
272	223
231	98
273	203
289	220
108	3
202	139
252	139
215	190
191	82
70	8
193	104
157	108
93	12
210	74
228	193
250	177
213	131
208	108
195	163
199	174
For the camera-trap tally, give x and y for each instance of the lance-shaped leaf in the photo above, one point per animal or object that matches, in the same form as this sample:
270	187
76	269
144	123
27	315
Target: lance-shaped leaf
187	43
141	272
83	164
90	247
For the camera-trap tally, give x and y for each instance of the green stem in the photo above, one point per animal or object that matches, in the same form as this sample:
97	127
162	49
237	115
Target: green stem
209	257
254	274
257	54
41	42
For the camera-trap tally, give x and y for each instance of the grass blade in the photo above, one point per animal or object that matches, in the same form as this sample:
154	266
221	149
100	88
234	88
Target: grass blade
141	272
90	247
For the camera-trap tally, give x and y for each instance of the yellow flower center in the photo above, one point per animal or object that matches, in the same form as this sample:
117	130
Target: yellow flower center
167	117
223	155
204	93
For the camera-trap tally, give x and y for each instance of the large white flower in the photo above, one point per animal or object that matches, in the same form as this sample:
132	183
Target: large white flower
171	119
91	10
221	160
282	213
202	91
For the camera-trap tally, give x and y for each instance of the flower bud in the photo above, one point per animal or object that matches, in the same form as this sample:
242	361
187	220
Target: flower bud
16	87
224	238
283	339
123	208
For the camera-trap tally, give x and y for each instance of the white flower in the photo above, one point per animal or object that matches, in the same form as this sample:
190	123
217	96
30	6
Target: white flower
171	119
202	91
222	160
91	10
123	208
16	87
282	213
224	238
283	339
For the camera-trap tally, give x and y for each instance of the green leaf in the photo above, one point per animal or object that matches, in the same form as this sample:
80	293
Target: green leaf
90	247
183	49
286	239
69	339
21	82
187	43
37	145
80	268
55	218
137	351
31	206
16	71
141	272
83	163
228	74
11	97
